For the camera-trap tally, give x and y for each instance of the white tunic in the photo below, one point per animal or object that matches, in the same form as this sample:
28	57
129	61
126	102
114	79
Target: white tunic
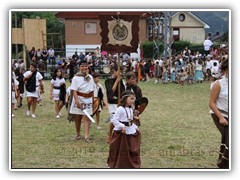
79	84
96	89
38	77
56	83
122	114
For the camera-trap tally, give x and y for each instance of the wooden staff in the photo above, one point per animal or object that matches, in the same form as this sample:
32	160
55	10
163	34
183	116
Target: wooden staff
119	84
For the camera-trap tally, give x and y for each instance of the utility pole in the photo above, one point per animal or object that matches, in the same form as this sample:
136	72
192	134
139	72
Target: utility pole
166	33
16	45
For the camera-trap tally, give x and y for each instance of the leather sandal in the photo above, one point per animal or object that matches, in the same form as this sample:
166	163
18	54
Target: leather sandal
87	140
77	137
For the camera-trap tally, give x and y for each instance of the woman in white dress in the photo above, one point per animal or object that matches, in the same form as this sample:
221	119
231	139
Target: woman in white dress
82	88
56	83
33	80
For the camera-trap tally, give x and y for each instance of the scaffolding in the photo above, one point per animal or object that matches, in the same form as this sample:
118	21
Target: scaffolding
157	33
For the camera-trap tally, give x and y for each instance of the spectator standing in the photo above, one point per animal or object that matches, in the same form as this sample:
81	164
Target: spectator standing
207	46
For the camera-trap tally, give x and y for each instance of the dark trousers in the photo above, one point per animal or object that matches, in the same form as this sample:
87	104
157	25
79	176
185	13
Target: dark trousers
224	147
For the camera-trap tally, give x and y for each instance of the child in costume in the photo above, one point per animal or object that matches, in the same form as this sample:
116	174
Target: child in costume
124	151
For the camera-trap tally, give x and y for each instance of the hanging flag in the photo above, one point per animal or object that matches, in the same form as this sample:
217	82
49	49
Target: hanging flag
119	33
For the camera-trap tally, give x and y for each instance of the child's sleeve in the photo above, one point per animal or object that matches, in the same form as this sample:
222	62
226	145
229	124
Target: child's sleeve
116	119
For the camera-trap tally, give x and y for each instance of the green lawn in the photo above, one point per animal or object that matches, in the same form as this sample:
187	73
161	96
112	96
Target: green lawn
177	132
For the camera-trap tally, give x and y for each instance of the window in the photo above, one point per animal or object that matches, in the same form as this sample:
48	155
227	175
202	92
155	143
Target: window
90	28
176	34
181	17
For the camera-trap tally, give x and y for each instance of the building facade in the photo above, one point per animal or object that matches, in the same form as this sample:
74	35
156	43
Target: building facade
82	30
188	27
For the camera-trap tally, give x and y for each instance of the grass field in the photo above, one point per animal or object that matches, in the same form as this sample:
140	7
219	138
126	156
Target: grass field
177	132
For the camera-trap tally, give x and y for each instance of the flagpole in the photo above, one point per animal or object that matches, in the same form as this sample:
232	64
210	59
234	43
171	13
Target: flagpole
119	74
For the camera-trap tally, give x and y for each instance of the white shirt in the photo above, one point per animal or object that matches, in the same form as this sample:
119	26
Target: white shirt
96	89
207	44
51	52
213	61
222	101
123	114
134	65
208	65
198	67
57	82
38	76
160	62
215	72
68	91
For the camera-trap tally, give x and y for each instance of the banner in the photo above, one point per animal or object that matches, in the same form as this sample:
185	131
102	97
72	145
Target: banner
119	33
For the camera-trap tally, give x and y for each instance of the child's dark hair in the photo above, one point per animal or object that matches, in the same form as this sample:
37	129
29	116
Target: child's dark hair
224	65
125	95
55	74
115	67
95	74
130	74
33	64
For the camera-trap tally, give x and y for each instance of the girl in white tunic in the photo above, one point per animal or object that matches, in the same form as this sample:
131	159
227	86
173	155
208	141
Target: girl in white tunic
34	80
124	151
56	82
82	89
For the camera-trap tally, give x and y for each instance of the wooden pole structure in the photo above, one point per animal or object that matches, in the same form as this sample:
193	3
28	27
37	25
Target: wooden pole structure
52	42
61	40
119	84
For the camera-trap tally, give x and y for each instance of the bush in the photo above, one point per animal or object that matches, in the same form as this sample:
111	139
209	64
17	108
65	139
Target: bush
180	45
148	46
199	47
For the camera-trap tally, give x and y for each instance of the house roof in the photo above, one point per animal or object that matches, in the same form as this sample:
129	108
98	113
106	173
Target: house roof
194	16
94	14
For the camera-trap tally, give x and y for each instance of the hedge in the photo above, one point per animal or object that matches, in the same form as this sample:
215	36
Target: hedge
180	45
148	46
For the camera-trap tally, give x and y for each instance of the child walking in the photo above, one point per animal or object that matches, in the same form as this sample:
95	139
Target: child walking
98	92
124	151
57	83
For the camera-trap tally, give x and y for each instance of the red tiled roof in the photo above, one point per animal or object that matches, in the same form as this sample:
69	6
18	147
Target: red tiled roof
94	15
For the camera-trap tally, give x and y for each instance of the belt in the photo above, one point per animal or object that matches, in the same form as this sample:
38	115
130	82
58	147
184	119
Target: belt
85	95
56	87
129	123
222	111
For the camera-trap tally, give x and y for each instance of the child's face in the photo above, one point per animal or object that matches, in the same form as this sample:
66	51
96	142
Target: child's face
96	79
115	74
130	100
83	68
131	81
59	73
